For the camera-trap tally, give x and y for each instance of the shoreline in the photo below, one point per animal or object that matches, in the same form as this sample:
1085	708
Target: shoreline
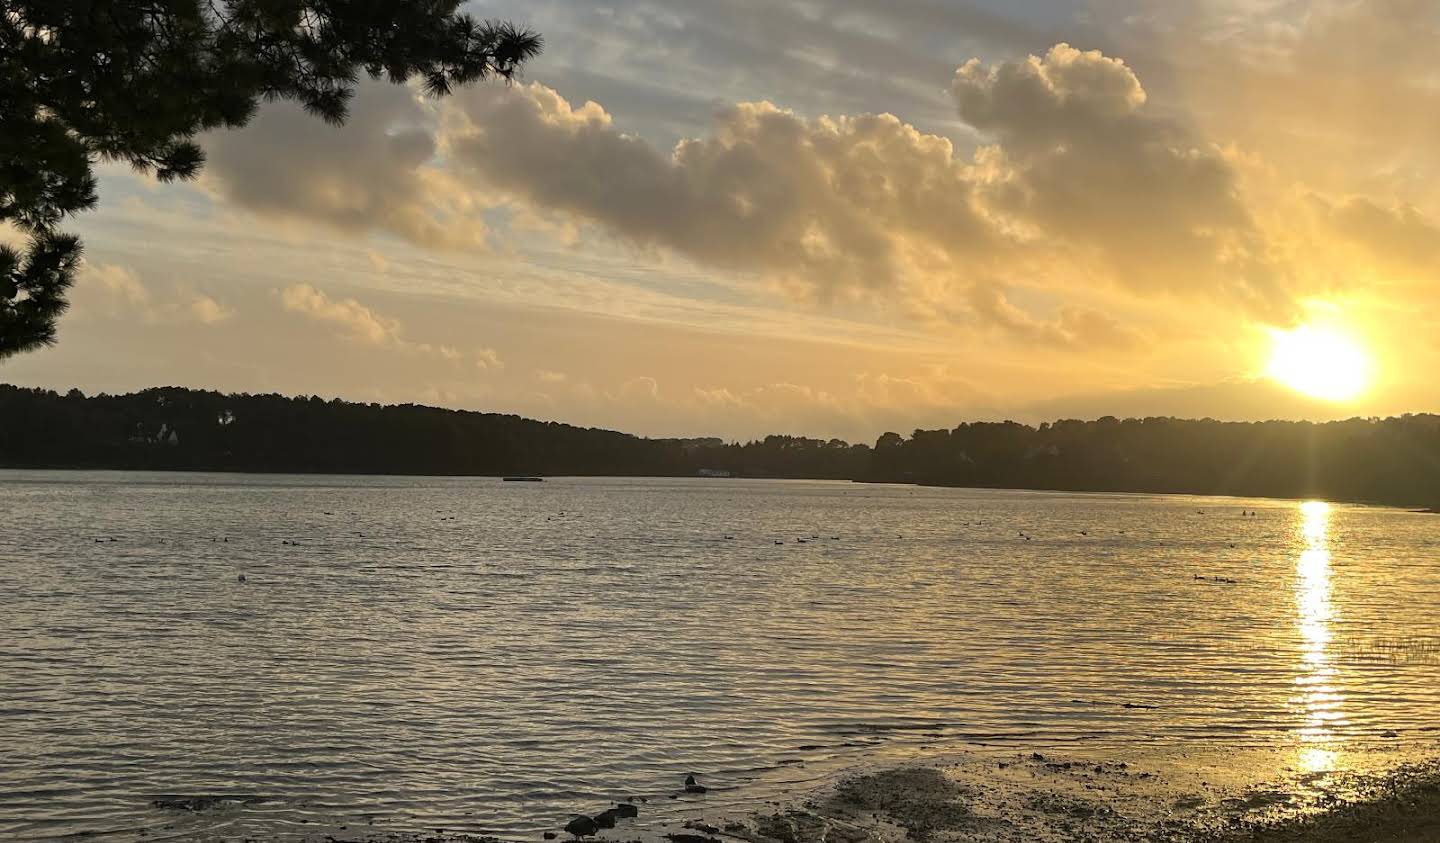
1418	508
1031	797
1017	796
1038	798
1410	813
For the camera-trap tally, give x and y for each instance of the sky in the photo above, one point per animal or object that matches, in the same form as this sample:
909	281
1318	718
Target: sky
821	217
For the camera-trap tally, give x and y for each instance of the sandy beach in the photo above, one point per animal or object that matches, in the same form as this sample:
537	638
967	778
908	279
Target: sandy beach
1038	798
1411	813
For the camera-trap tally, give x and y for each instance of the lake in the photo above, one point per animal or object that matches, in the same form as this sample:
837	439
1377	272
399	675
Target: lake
407	654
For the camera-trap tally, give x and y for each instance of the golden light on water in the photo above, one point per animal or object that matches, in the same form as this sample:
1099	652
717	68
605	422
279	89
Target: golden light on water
1320	702
1320	362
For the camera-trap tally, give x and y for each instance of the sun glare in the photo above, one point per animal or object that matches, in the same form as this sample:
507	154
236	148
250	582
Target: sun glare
1319	362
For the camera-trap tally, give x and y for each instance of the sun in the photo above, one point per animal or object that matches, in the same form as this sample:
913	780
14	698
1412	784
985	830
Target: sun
1320	362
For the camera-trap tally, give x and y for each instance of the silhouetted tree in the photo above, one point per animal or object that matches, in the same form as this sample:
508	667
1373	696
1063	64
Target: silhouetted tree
171	428
136	80
1395	460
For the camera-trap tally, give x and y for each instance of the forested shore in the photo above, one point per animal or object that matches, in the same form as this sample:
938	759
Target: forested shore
1392	461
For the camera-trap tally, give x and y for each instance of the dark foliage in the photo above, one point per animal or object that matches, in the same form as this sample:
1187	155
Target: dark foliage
193	430
137	80
1394	461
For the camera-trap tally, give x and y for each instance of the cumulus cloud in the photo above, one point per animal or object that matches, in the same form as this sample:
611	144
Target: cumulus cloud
847	204
1081	162
208	311
357	320
1078	185
374	174
1215	162
1041	98
119	292
361	323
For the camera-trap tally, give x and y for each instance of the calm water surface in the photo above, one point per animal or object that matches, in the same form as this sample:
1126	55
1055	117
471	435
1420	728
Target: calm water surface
491	657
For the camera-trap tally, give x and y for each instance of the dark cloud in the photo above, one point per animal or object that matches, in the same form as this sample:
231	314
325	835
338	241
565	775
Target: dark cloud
372	174
840	205
1080	182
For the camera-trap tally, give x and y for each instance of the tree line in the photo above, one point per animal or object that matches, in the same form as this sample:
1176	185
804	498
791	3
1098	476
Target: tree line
1392	460
184	429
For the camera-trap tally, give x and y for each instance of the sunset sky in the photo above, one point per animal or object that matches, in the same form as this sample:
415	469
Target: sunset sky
829	217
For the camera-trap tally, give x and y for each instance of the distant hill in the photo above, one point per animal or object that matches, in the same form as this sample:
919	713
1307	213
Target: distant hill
1393	461
172	428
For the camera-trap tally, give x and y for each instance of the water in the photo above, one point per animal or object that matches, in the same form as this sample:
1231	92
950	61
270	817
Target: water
492	657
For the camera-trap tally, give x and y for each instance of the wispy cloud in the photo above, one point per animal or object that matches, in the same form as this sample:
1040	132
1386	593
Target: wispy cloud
355	319
363	324
120	292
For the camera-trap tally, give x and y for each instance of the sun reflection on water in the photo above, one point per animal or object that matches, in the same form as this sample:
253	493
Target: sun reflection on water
1317	696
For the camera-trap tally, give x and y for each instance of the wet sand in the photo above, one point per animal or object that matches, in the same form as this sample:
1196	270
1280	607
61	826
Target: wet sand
1032	797
1038	798
1411	813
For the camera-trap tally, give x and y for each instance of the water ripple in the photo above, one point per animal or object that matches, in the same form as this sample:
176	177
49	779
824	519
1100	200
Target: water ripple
411	653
